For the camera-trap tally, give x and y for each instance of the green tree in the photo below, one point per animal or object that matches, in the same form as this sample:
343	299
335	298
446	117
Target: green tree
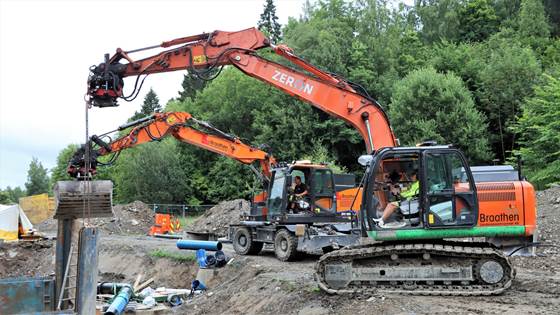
437	19
4	198
151	105
533	26
268	22
151	173
507	78
192	85
532	20
320	154
538	129
37	178
478	20
429	105
229	179
15	193
553	10
58	173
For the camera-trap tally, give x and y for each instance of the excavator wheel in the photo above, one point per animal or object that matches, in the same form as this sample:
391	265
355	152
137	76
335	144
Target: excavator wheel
244	244
285	245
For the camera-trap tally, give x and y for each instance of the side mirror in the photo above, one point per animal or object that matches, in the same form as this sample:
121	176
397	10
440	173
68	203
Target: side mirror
365	160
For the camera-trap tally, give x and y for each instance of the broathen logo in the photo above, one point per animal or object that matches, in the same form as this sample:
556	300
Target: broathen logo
499	218
290	81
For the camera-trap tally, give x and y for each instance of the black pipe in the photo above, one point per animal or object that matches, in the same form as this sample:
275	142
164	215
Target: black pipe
110	287
136	122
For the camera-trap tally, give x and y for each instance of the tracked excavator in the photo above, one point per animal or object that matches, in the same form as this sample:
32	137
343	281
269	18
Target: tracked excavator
448	244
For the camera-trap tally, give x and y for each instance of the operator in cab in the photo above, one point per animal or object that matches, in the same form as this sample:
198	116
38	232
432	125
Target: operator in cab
408	201
300	191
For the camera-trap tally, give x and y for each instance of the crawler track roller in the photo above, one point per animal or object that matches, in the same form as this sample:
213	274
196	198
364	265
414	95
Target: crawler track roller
446	268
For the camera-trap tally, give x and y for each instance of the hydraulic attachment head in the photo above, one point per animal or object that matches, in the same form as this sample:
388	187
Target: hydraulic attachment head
105	83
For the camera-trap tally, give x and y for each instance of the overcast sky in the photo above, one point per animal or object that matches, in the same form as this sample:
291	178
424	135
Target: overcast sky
47	47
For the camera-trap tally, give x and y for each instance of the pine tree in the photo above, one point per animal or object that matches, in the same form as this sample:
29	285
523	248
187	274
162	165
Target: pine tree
151	105
37	178
478	20
269	22
191	86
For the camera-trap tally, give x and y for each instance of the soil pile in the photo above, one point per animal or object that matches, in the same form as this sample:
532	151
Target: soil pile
217	219
548	221
548	211
133	218
27	258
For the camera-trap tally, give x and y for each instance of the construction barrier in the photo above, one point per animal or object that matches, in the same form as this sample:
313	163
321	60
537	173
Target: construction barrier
38	208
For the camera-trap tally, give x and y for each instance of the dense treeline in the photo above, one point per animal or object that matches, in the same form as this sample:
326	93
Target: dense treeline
482	74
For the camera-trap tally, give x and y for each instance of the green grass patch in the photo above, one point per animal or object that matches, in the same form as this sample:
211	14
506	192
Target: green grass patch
160	253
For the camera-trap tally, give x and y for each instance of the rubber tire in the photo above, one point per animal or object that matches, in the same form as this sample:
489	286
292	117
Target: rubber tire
251	247
290	253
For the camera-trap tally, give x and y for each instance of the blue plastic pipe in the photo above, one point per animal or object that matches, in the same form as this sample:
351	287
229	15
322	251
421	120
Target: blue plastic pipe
201	258
192	244
120	301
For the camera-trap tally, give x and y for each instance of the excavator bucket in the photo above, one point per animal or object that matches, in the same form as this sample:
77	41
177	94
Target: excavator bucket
80	199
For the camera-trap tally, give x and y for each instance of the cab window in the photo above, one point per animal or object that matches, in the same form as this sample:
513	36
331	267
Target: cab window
277	193
322	183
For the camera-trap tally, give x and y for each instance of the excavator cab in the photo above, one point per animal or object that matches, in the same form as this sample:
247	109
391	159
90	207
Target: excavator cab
446	198
321	196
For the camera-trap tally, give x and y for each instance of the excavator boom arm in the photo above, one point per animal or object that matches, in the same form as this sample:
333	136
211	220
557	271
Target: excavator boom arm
203	53
184	128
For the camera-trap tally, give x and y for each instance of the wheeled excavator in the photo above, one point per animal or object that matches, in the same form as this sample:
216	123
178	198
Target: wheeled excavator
321	204
449	244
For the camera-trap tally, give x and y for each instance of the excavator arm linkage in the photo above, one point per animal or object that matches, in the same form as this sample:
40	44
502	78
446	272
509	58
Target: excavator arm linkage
203	54
184	128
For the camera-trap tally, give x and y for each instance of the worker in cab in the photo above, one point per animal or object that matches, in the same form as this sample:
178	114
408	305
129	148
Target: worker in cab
299	192
407	203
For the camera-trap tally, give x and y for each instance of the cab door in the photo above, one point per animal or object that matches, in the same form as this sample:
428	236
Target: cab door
450	198
277	194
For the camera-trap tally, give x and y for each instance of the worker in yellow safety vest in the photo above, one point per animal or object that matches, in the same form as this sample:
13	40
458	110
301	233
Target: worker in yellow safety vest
408	196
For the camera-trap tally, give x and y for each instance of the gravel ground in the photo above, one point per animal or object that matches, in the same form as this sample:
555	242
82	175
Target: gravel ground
263	285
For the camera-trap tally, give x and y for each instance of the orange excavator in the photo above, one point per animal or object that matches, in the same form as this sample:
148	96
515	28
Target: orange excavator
321	203
411	251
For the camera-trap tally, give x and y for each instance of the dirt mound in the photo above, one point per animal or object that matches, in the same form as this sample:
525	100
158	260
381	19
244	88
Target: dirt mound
133	218
548	210
27	258
548	220
217	219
